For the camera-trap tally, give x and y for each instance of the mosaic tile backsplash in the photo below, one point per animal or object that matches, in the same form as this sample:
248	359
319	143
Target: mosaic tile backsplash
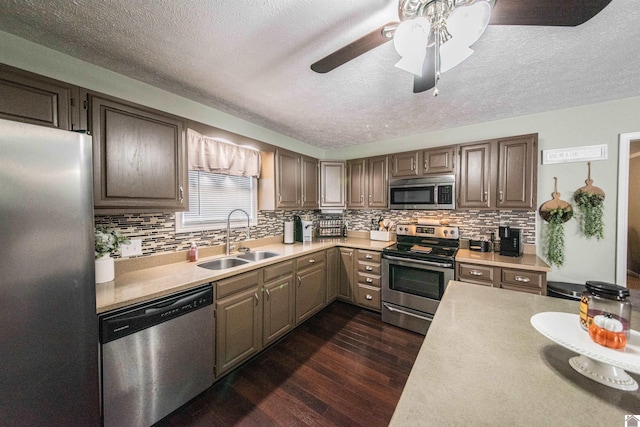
158	234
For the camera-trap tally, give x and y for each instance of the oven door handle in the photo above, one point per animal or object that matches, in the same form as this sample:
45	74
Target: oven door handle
430	263
388	307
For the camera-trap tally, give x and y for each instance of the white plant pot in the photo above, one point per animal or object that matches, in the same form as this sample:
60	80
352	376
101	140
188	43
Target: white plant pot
105	269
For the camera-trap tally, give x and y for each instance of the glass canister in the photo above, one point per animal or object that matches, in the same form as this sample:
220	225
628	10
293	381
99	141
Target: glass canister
602	298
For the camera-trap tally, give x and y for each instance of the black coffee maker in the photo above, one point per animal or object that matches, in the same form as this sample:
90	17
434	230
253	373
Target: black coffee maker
510	241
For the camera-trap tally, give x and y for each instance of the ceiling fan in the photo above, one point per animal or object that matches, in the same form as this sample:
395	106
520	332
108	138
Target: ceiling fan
433	36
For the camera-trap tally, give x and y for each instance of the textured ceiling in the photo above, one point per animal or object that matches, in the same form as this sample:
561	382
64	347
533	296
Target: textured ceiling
251	59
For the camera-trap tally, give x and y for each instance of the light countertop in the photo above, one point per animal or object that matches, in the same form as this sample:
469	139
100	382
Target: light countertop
149	283
482	363
526	261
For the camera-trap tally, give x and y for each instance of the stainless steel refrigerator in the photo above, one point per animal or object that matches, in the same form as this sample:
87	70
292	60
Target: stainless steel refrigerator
48	322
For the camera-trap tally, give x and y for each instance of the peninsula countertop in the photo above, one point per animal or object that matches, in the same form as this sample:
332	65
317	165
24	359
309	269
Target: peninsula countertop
482	363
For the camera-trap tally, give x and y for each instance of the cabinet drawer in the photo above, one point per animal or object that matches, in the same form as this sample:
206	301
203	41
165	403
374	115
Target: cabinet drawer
306	261
368	296
526	289
278	270
476	273
234	284
369	279
369	256
530	279
367	267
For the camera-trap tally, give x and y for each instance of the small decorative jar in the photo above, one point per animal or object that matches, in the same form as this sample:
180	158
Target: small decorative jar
606	299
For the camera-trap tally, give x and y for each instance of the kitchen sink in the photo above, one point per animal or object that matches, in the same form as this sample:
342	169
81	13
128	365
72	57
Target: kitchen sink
236	260
224	263
258	255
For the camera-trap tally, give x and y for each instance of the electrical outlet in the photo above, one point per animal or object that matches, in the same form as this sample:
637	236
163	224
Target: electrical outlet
131	249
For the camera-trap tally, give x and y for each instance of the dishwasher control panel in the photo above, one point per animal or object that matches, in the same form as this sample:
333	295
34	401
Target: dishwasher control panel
120	323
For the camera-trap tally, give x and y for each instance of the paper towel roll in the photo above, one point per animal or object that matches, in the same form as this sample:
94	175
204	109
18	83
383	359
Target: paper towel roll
288	232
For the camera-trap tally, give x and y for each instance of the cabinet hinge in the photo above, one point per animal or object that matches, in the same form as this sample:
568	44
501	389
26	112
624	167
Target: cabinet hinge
215	314
85	104
73	101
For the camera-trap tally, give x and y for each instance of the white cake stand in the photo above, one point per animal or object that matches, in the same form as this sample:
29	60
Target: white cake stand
601	364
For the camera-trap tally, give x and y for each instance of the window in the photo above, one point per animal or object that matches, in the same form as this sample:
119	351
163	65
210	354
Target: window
212	196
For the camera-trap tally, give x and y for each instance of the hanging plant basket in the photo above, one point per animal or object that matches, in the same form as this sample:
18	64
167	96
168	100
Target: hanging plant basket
556	212
590	202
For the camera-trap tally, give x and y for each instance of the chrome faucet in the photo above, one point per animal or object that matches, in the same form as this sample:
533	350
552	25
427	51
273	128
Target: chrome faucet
229	227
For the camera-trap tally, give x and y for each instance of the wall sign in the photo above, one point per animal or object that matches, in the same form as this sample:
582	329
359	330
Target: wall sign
575	154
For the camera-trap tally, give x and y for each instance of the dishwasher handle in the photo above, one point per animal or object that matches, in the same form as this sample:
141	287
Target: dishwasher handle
125	322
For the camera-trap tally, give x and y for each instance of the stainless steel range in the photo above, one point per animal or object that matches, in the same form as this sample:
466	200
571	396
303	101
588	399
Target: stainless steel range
415	273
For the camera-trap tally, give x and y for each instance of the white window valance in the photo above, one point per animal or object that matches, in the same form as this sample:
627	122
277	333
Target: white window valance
219	156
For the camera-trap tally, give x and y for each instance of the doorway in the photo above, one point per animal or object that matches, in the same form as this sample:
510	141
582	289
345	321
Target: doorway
628	233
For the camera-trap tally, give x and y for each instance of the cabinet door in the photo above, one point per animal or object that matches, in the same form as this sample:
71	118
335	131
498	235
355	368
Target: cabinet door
405	164
346	271
139	157
309	186
278	309
356	183
517	166
378	173
288	180
332	185
237	329
474	178
333	273
311	292
30	98
439	161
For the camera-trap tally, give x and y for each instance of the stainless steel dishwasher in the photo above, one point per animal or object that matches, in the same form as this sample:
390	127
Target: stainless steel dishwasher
155	357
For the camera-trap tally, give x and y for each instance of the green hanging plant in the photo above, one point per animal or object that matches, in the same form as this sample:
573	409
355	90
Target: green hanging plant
556	212
590	201
591	211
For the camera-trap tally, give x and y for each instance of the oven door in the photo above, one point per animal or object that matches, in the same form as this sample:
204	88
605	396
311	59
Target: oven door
415	284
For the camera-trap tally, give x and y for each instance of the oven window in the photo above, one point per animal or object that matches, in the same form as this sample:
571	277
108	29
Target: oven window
413	195
417	281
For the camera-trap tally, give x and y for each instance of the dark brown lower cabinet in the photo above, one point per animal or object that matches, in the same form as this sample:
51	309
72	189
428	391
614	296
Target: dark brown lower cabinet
278	308
333	273
311	285
238	312
345	277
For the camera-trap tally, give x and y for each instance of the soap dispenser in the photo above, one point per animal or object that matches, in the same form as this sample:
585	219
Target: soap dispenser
193	252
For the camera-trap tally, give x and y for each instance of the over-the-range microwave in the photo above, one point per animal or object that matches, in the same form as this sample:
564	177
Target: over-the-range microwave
436	192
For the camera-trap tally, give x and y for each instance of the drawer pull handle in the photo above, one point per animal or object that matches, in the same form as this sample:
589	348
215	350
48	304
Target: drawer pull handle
311	261
368	297
368	256
522	279
268	294
368	268
257	299
476	273
369	280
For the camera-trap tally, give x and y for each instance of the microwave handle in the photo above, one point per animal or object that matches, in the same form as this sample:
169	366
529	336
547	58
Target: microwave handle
415	261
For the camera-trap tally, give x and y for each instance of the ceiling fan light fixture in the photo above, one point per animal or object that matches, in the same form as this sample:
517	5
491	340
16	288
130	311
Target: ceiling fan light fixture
410	41
467	23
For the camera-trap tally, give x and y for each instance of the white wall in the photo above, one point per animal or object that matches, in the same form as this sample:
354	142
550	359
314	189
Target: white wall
587	125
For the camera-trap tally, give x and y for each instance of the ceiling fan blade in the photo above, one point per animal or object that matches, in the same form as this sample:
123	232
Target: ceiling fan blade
353	49
560	13
428	79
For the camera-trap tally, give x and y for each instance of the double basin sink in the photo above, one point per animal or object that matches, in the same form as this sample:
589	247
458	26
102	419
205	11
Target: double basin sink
237	260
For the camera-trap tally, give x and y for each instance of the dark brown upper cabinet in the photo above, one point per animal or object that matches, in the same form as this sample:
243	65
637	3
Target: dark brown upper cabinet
31	98
405	165
438	161
367	183
498	174
296	179
139	157
332	184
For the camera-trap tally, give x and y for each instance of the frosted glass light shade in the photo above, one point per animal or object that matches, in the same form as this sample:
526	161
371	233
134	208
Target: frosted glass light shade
467	23
410	41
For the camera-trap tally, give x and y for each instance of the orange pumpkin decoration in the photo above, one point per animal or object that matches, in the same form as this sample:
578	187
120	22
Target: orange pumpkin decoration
607	332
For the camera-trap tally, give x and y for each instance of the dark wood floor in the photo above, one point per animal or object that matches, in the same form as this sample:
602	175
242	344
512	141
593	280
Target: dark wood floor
342	367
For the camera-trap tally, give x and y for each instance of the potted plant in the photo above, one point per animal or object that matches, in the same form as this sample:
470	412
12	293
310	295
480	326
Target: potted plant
590	202
107	241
